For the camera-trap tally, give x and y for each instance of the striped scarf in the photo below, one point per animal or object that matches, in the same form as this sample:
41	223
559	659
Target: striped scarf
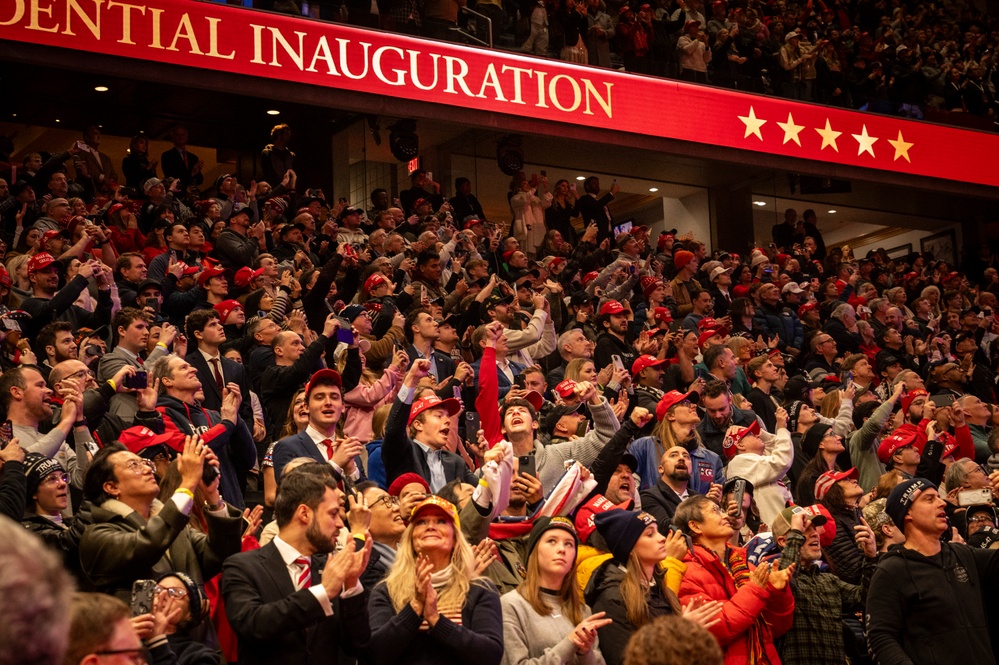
759	633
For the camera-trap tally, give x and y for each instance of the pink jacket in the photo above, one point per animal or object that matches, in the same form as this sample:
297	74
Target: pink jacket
361	402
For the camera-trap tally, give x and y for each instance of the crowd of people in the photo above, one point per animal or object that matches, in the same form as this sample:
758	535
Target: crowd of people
251	424
900	58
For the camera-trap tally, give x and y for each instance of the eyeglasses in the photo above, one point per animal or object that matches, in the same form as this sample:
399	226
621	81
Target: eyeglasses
83	375
388	500
173	593
55	479
980	519
140	466
138	656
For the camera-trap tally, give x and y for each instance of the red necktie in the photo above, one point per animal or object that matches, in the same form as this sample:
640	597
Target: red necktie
218	374
138	359
305	576
329	447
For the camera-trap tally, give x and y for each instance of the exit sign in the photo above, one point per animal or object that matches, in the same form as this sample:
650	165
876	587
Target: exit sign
413	165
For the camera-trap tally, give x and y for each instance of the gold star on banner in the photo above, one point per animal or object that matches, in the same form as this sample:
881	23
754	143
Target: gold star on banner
828	137
791	130
865	143
901	147
753	124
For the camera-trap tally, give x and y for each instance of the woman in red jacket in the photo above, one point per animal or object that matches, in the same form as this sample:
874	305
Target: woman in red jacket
757	602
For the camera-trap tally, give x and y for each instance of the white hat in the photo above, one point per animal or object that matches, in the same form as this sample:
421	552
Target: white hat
791	287
760	259
720	270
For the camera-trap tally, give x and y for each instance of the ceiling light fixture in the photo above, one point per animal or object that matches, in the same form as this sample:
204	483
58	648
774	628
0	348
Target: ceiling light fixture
581	177
101	88
274	112
653	189
759	203
831	212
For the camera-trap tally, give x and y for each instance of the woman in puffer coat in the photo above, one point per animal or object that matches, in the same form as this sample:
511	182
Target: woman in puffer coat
757	605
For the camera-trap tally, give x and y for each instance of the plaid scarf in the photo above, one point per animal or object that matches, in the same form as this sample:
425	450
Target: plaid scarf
759	633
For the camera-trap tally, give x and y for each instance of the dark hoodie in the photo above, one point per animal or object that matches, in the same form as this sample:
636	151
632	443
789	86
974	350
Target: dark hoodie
603	594
931	610
232	442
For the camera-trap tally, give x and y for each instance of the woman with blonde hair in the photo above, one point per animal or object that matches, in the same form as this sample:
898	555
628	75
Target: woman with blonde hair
932	294
581	369
17	268
545	621
630	587
431	609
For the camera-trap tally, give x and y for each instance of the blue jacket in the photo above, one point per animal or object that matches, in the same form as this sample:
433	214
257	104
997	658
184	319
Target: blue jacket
706	466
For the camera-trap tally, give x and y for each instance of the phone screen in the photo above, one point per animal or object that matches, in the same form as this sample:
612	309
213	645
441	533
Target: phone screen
345	335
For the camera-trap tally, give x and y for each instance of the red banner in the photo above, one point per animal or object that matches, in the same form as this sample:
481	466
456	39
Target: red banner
241	41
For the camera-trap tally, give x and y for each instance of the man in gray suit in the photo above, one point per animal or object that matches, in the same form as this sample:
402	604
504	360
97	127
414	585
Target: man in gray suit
131	326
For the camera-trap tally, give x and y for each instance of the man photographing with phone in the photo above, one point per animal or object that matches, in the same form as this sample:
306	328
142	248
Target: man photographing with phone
127	541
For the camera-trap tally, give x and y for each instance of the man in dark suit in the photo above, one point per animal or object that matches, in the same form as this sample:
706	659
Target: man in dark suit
416	434
178	163
284	606
204	328
594	210
324	397
422	330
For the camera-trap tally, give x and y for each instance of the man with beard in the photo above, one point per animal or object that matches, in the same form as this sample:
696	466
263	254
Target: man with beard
614	322
282	608
661	499
26	399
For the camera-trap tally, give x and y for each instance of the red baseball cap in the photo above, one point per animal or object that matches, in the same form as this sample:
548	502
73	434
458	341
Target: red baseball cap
910	397
611	307
5	278
40	261
375	280
226	307
950	444
828	530
589	277
137	439
566	388
728	443
662	314
209	272
899	439
508	255
245	275
323	376
825	482
469	223
807	307
536	399
452	405
703	338
644	362
434	502
48	235
671	399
